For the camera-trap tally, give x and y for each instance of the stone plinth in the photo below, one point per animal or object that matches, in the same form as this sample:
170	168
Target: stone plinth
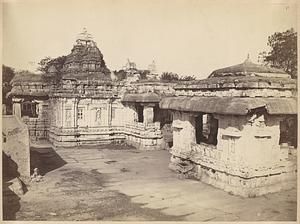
144	136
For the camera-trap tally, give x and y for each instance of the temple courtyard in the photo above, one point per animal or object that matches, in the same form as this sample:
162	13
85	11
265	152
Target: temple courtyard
121	183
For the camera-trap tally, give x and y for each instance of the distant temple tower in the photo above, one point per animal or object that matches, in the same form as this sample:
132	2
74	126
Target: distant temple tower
130	66
152	67
131	71
153	71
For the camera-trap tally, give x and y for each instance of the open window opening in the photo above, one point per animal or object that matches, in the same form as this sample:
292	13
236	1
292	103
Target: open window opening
206	129
163	116
157	114
288	131
29	109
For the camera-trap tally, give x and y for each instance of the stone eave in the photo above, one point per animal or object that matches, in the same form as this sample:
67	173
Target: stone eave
242	82
230	105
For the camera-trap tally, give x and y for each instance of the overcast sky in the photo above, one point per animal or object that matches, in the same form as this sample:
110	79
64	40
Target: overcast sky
189	37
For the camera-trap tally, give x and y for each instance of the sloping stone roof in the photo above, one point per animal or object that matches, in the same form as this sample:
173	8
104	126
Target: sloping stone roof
239	82
230	105
28	77
37	94
30	84
141	97
248	68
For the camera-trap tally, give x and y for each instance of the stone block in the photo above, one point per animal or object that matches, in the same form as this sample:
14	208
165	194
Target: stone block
16	143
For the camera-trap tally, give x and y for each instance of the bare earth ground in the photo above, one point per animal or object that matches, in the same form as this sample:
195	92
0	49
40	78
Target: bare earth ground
118	183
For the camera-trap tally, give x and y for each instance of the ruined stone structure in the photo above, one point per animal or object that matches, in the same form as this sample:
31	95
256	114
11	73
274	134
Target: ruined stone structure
29	94
15	148
235	130
80	104
230	130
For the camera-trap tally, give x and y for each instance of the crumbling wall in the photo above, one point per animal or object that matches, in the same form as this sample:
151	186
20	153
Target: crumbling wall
16	143
183	131
247	160
144	136
263	132
38	126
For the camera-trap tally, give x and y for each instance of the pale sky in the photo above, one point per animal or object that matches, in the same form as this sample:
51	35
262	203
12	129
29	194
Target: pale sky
188	37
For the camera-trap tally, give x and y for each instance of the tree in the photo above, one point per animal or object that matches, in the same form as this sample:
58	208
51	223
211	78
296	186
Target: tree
121	75
8	74
283	54
46	62
144	73
187	78
43	64
169	76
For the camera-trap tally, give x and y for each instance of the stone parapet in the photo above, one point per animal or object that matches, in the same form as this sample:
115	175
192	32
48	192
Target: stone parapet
144	136
238	82
238	93
70	137
205	164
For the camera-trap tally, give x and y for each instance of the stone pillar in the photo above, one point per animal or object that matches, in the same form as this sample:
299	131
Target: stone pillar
148	113
39	106
62	113
109	112
17	107
76	101
90	114
184	132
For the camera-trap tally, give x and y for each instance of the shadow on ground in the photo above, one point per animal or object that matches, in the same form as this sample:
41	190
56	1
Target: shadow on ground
110	146
80	195
10	200
45	159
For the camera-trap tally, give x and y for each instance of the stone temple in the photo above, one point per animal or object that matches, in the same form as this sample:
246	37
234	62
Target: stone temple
235	130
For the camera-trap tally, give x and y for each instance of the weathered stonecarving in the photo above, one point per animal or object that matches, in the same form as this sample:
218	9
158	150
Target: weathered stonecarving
15	148
235	130
79	104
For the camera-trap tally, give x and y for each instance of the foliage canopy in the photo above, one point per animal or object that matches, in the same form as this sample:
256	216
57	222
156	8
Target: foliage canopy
283	53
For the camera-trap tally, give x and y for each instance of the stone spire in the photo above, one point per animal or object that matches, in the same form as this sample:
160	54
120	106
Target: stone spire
247	59
85	38
152	67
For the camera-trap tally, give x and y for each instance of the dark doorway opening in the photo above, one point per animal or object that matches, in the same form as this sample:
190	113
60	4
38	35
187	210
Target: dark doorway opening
140	113
206	129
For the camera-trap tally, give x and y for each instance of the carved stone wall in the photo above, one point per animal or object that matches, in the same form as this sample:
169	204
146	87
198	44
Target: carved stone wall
16	143
247	160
